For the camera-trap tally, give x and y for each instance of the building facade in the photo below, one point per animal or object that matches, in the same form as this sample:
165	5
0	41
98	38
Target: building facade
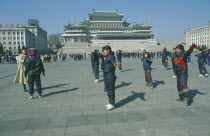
199	36
108	27
30	36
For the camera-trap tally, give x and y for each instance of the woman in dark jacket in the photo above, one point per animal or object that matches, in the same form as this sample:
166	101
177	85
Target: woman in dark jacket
109	64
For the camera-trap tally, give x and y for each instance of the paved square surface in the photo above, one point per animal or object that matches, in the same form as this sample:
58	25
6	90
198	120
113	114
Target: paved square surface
73	105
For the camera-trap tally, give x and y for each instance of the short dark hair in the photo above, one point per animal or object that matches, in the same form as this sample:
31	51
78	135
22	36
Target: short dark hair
148	54
24	49
181	47
107	47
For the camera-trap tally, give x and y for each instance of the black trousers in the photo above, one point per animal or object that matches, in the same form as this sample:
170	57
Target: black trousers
182	86
92	66
34	79
105	84
120	67
173	65
202	68
110	80
148	76
96	71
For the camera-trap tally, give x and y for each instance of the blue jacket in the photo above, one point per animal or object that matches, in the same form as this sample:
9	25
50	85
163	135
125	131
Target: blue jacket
119	56
109	62
201	57
34	66
146	63
95	59
165	55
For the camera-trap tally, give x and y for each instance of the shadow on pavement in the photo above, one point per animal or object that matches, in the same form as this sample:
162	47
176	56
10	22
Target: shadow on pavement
130	99
127	70
54	86
58	92
192	94
156	83
122	84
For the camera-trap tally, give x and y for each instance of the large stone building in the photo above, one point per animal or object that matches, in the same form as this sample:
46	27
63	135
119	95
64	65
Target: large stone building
30	36
108	28
199	36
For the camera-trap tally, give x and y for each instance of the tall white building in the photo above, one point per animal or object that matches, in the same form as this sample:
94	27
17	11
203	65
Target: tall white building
30	36
199	36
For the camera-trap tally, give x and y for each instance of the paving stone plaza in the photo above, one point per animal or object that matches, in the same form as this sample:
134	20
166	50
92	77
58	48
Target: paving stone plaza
73	105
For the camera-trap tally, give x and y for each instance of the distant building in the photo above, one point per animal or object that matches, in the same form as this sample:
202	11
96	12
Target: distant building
108	28
199	36
30	36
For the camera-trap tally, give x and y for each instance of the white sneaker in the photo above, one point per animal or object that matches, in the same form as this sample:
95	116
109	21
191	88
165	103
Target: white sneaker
31	97
110	107
206	75
174	76
40	96
96	81
200	75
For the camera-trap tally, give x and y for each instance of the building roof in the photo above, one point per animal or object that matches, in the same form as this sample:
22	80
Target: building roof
106	13
142	25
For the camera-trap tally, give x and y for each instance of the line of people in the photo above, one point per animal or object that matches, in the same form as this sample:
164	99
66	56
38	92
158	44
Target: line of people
179	58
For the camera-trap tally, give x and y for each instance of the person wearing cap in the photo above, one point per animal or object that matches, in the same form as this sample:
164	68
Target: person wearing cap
181	69
33	69
201	63
109	74
19	77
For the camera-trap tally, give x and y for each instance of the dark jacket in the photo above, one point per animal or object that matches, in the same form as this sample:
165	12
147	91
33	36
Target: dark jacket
165	55
34	66
109	62
119	56
201	57
146	63
180	60
95	59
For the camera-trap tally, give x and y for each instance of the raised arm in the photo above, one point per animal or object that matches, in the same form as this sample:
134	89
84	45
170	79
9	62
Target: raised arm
187	53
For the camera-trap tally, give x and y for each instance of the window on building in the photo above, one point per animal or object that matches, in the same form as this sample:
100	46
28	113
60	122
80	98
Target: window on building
9	43
22	38
4	43
21	33
14	43
4	38
14	38
18	38
9	38
10	48
17	33
8	33
13	33
3	33
14	47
